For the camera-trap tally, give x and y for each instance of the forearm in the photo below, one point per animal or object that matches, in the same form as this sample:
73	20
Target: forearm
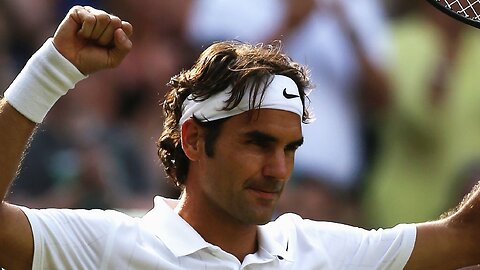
86	41
15	131
45	78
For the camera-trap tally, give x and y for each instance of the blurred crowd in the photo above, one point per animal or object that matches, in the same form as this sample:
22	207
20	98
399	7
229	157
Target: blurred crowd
396	105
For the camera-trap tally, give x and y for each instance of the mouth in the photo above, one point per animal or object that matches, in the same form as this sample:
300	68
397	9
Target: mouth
265	190
264	194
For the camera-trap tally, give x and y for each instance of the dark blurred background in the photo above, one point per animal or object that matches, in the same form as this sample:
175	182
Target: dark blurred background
397	118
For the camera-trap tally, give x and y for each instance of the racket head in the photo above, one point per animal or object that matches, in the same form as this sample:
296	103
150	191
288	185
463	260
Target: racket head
466	11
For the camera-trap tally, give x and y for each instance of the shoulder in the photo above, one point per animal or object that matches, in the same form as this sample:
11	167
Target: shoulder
294	224
73	217
89	234
75	224
340	243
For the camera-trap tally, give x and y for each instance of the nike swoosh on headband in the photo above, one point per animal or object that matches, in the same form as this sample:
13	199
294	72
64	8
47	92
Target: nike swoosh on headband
287	95
213	108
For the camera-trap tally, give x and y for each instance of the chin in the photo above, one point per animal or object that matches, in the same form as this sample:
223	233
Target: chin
261	220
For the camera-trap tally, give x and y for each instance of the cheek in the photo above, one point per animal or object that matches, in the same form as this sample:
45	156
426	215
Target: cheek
242	163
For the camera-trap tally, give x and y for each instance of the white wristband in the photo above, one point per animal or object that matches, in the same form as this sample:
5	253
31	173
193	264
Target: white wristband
45	78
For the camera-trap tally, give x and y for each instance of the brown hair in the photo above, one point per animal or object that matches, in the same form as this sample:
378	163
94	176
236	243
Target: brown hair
222	64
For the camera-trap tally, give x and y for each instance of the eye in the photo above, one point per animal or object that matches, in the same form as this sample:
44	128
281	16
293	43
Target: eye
291	148
259	143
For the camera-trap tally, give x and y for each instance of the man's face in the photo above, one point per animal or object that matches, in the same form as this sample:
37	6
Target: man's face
253	158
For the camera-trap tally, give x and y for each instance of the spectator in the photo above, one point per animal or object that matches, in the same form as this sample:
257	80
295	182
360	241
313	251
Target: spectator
433	126
347	66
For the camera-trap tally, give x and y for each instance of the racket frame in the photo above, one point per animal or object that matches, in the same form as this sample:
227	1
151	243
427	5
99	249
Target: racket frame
448	11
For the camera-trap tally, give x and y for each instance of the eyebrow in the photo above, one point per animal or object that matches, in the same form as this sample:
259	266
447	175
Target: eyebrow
264	137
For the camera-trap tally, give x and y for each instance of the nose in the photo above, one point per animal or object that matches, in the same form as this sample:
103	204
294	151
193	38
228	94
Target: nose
278	165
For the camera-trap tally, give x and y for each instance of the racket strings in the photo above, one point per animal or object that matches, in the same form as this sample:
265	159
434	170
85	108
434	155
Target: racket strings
467	8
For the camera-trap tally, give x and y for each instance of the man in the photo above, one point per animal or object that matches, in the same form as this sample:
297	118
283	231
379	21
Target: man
231	130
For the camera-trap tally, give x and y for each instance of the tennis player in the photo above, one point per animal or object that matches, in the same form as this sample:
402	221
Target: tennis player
233	123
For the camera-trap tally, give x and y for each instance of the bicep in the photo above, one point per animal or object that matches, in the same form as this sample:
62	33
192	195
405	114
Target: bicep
16	238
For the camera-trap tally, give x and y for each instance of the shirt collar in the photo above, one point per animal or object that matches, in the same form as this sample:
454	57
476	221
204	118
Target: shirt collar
183	240
173	230
275	246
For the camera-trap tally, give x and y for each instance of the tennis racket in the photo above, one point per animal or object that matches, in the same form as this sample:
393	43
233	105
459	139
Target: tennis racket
466	11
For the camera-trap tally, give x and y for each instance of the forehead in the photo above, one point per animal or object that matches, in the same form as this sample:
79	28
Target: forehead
278	123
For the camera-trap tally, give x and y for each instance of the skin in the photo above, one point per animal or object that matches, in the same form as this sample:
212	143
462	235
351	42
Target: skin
225	197
225	193
92	40
218	196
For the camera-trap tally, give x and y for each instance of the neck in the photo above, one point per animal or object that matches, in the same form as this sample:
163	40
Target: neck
217	228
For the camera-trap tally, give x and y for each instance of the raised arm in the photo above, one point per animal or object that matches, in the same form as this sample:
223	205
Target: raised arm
452	242
89	39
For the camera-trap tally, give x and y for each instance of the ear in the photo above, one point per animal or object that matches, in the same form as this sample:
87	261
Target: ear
192	135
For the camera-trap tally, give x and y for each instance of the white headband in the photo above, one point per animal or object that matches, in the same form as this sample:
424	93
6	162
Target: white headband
282	94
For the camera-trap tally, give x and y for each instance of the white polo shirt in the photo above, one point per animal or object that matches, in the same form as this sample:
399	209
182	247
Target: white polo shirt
97	239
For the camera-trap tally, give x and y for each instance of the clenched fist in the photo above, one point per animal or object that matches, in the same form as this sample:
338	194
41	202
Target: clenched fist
92	39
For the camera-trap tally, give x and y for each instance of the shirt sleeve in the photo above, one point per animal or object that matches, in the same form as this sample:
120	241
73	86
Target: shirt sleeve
347	247
71	239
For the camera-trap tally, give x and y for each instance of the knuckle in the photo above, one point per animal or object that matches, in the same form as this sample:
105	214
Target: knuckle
103	18
116	22
90	19
75	8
